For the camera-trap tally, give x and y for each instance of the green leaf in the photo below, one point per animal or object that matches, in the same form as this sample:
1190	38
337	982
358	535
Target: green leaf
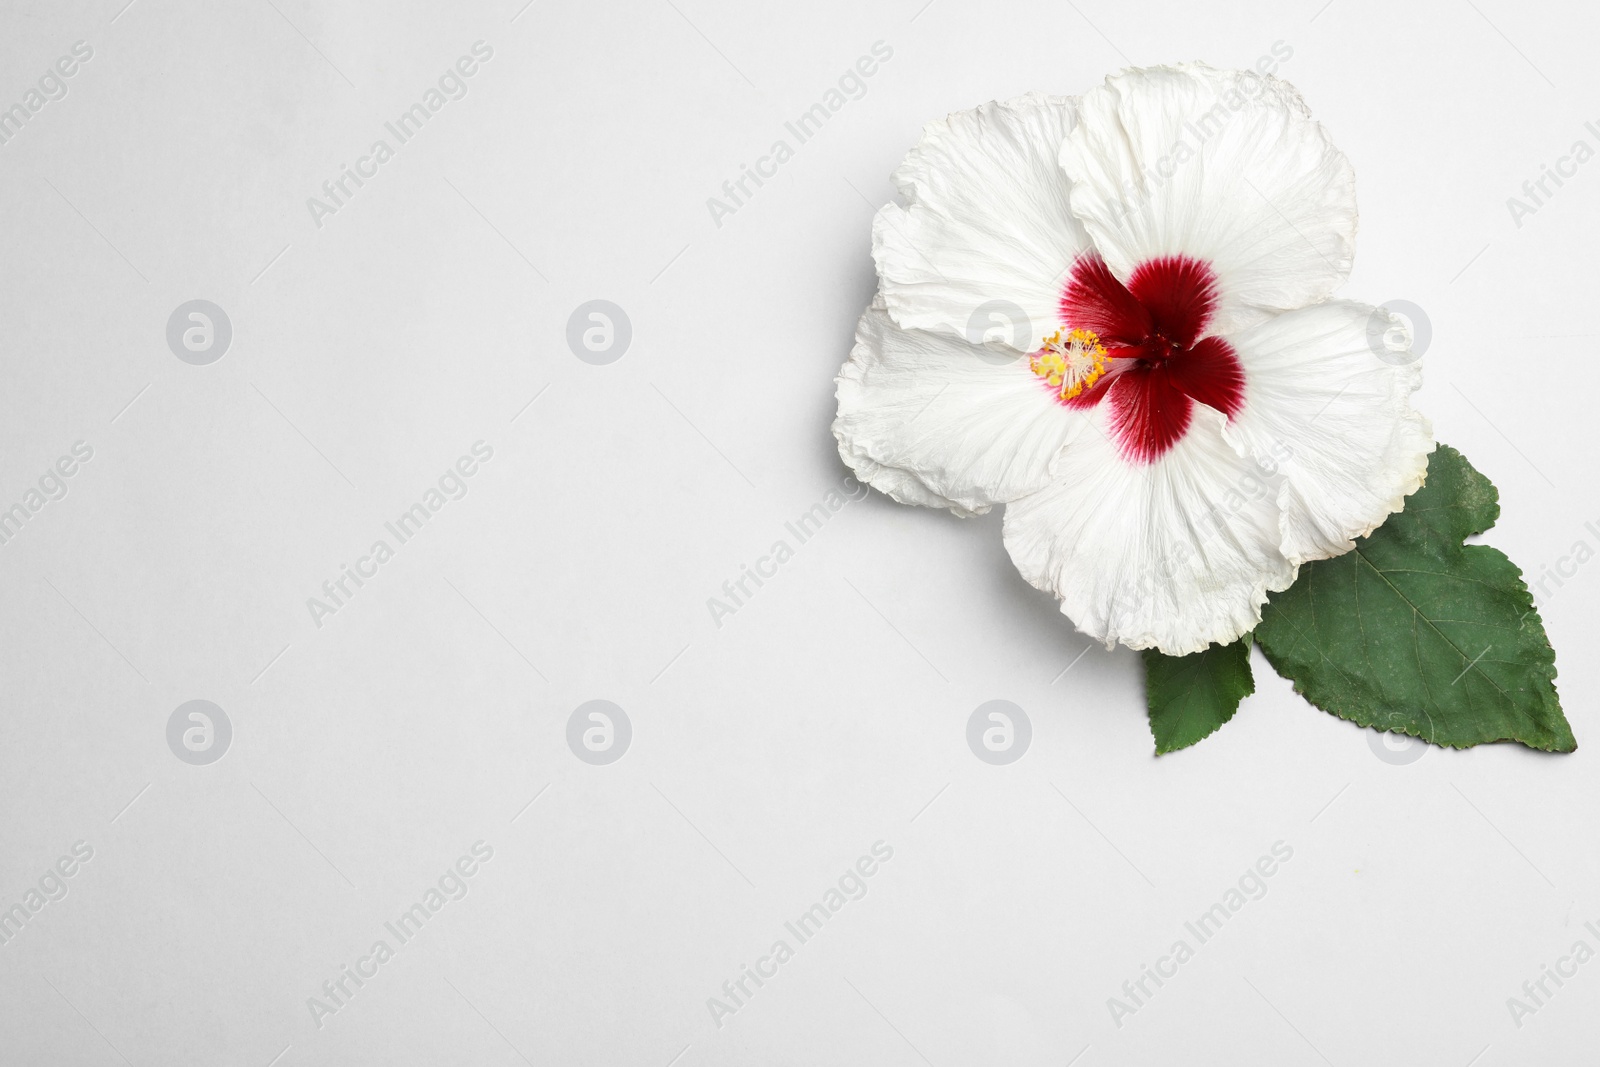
1416	633
1190	697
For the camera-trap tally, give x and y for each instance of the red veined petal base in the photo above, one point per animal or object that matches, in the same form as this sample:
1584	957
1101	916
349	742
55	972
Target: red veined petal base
1161	363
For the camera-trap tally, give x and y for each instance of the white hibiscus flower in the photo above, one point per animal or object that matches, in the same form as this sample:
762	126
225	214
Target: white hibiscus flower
1185	417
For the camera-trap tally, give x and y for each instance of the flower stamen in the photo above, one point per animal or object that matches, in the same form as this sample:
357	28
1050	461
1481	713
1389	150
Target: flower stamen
1072	364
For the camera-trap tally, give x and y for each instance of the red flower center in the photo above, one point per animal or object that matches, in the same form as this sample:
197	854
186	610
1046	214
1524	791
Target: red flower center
1160	365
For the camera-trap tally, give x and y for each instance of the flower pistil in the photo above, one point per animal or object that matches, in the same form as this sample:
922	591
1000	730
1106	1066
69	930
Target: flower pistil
1071	364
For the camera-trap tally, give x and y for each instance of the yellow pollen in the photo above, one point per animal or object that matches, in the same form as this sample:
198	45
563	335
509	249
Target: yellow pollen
1071	364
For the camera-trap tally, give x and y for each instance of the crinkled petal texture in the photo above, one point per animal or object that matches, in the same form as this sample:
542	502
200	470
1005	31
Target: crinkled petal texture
1328	408
902	485
930	419
1172	555
987	234
1222	166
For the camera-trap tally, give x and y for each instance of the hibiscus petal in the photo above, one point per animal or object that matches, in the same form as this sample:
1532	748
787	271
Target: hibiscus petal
1094	299
1180	294
903	486
986	226
1148	412
1210	372
1172	555
1334	416
974	426
1226	167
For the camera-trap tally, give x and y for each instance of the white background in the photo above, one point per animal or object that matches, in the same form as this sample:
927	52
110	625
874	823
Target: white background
830	712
